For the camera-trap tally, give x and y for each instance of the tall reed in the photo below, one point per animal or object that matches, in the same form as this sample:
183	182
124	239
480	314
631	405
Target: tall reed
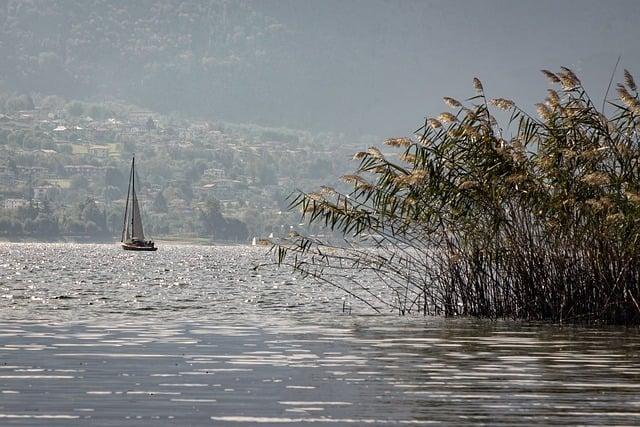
528	217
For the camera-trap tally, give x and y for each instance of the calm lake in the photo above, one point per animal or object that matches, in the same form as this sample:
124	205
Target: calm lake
192	335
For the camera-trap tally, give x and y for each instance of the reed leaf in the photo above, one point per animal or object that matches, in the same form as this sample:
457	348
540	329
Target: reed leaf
539	224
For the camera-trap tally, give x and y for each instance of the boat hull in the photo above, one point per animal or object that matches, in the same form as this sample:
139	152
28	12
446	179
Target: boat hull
132	247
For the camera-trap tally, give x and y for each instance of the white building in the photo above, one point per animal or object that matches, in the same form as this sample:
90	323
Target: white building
44	192
13	204
99	151
214	174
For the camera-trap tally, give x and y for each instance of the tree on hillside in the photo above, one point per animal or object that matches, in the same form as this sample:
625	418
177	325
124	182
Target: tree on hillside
74	108
114	177
160	203
211	218
19	103
216	226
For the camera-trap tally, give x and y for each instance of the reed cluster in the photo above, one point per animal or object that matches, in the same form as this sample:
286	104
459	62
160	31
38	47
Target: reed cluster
524	217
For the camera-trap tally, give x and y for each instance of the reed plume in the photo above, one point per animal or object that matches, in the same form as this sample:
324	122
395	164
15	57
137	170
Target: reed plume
539	224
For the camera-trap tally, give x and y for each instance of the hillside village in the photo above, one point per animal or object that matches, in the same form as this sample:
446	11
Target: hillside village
64	171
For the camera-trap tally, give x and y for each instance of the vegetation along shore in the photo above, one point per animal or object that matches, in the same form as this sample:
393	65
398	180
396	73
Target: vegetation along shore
492	212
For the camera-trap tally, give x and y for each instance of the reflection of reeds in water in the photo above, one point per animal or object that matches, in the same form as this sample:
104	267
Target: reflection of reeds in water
542	223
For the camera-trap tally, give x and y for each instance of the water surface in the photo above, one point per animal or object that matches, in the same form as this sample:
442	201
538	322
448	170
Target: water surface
189	335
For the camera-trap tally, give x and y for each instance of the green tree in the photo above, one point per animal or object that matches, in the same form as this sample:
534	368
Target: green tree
211	219
18	103
74	108
160	203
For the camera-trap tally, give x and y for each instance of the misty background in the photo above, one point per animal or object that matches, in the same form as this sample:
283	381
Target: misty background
358	67
232	106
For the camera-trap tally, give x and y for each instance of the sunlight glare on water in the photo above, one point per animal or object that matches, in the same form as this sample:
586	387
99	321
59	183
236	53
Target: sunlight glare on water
192	335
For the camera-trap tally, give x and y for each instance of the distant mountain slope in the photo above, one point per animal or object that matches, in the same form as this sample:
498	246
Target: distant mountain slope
357	66
189	55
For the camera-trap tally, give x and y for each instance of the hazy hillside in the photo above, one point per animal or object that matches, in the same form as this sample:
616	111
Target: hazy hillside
184	56
352	66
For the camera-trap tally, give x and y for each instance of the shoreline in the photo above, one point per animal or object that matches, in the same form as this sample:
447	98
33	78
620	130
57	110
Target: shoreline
163	240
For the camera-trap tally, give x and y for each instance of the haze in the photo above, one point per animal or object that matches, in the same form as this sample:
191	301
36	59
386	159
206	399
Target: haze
359	67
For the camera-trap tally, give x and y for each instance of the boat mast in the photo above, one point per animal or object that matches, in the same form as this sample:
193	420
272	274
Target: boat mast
133	193
126	206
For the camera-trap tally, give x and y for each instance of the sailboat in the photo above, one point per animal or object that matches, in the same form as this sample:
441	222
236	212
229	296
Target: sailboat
132	232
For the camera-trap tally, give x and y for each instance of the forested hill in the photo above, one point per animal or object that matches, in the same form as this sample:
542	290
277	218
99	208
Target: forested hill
275	64
358	66
188	56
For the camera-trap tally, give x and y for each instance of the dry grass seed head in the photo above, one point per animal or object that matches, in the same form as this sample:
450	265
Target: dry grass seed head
615	219
409	158
327	191
466	185
568	79
630	101
353	179
553	99
517	154
315	196
398	142
606	202
451	102
416	177
477	85
471	132
471	115
628	79
434	123
502	103
569	154
547	162
591	155
596	179
455	132
411	201
375	153
594	204
516	178
447	117
424	140
544	112
551	76
633	197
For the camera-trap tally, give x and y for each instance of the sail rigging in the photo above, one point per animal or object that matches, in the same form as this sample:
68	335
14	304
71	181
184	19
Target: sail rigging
136	220
132	231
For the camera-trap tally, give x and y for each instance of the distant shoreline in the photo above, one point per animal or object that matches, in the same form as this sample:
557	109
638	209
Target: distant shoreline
160	241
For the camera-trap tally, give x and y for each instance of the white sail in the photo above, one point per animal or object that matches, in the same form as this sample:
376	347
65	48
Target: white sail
136	219
133	230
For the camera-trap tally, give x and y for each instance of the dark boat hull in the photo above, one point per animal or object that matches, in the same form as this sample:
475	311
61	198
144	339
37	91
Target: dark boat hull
134	247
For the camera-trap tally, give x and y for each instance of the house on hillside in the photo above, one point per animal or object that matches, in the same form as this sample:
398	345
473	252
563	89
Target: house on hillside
180	205
99	151
32	172
88	171
7	176
13	204
223	189
213	174
45	192
140	116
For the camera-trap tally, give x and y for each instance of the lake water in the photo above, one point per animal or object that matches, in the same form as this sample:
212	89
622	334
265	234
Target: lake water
191	335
